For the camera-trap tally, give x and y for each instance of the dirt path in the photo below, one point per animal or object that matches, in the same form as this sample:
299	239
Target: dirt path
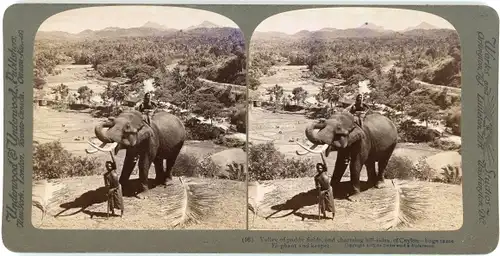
85	205
289	77
443	211
451	90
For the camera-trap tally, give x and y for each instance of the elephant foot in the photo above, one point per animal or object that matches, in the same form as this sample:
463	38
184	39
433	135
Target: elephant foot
355	196
144	193
159	182
380	184
168	182
371	182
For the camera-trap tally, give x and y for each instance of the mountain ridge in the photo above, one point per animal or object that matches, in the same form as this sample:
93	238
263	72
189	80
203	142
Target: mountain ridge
147	29
364	30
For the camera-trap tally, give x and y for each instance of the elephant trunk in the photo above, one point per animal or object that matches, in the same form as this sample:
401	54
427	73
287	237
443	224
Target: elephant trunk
313	137
101	135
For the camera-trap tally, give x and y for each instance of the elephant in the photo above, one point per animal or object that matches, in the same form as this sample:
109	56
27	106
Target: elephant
356	145
161	140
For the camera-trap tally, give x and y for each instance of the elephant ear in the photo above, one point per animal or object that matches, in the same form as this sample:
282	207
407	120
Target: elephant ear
144	133
350	127
136	121
355	135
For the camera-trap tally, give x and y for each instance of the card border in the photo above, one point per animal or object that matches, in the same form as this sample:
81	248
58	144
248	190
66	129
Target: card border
470	239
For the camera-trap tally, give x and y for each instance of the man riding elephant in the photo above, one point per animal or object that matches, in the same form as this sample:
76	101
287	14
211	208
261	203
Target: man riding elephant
147	106
359	108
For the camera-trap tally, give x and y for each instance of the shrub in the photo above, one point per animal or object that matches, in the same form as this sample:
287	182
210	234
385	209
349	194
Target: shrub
453	119
200	131
445	145
106	111
186	165
237	172
293	108
267	163
207	168
452	175
318	112
191	166
238	117
297	168
230	142
410	132
399	168
52	161
403	168
422	171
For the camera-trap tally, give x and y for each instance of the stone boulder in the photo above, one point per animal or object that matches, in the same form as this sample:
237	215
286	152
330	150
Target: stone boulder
441	160
227	158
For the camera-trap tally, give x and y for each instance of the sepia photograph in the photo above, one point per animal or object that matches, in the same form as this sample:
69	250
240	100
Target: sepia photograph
354	121
139	120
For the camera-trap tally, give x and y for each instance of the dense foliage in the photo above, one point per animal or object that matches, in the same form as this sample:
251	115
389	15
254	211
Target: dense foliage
52	161
200	70
175	61
413	72
216	53
265	162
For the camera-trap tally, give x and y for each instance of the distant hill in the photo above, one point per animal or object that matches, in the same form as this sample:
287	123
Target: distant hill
204	24
372	27
366	30
148	29
424	25
154	25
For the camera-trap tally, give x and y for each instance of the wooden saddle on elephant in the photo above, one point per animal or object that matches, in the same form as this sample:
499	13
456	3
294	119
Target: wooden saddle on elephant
359	116
147	115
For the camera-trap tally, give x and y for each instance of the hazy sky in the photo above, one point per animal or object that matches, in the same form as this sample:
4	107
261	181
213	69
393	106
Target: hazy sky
342	18
95	18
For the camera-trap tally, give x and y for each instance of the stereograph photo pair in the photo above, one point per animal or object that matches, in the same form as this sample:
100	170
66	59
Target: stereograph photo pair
250	128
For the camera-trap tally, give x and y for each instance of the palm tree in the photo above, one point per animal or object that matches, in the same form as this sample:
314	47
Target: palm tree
278	92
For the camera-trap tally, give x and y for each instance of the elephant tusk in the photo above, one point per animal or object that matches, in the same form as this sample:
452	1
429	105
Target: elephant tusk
310	150
91	150
104	147
305	152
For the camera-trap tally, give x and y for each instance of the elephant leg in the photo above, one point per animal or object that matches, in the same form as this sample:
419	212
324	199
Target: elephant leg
355	169
382	164
372	175
128	167
340	168
144	165
160	173
170	164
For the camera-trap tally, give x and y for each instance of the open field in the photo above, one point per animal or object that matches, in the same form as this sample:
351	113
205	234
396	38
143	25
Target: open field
76	76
